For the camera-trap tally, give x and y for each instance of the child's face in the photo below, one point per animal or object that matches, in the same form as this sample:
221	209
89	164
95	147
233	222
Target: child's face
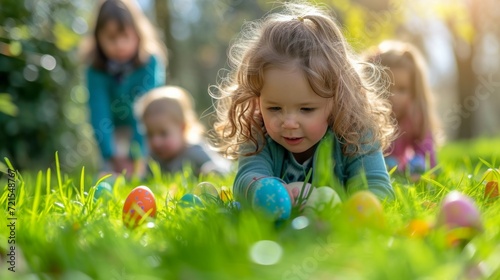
165	136
294	115
402	92
119	45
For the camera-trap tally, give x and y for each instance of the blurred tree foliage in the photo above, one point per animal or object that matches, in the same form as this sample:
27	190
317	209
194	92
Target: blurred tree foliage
43	100
198	34
38	74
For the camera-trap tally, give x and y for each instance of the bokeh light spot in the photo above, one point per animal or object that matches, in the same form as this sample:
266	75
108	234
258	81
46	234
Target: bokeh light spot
30	73
48	62
266	252
79	26
300	222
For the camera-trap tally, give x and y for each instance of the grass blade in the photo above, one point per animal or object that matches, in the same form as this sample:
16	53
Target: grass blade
59	181
36	200
82	187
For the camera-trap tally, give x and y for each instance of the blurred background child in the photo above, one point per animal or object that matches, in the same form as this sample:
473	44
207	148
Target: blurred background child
125	60
412	106
174	133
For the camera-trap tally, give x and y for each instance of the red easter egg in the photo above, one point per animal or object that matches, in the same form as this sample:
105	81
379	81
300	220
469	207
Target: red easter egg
139	202
491	190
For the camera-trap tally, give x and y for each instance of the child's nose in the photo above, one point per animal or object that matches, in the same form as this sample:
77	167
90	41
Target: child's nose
290	122
156	142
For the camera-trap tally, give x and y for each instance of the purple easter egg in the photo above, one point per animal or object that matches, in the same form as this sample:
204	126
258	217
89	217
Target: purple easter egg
458	210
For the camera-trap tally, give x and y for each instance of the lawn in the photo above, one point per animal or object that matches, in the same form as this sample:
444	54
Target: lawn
60	232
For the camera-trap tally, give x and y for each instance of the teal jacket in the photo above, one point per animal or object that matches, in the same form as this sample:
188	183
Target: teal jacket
269	163
111	102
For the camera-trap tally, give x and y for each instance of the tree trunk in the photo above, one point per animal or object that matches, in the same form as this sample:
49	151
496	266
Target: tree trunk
163	19
467	83
465	52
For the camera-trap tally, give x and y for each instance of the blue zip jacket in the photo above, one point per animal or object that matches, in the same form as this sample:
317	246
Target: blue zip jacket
111	102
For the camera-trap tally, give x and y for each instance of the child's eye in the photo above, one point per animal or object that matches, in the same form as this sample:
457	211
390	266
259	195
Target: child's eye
274	109
307	109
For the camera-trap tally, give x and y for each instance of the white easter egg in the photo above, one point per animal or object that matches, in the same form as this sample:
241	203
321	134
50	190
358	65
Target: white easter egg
321	198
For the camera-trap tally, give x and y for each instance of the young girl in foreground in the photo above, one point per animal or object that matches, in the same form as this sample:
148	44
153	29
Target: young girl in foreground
412	106
293	81
125	60
174	133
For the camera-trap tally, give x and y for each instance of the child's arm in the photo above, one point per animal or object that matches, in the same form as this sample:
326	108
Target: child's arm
204	161
251	169
153	75
100	112
373	165
257	184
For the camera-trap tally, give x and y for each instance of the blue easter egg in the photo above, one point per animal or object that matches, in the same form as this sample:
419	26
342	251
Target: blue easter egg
236	205
103	190
190	200
272	198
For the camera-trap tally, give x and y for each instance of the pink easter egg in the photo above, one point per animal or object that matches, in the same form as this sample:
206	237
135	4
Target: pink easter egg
458	210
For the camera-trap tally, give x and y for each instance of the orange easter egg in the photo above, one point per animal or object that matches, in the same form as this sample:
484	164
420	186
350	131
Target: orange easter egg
140	202
491	190
418	228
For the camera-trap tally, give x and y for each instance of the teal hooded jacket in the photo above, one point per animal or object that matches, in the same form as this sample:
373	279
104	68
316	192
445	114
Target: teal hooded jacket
347	169
111	102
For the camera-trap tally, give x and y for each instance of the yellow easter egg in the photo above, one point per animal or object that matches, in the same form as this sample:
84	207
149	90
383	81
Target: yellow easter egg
365	210
225	194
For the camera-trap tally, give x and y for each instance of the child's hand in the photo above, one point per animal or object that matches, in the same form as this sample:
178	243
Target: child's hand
294	194
294	190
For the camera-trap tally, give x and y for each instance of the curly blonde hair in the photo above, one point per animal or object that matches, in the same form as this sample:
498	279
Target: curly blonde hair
308	35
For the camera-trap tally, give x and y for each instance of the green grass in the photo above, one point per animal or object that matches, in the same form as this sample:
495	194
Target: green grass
62	234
